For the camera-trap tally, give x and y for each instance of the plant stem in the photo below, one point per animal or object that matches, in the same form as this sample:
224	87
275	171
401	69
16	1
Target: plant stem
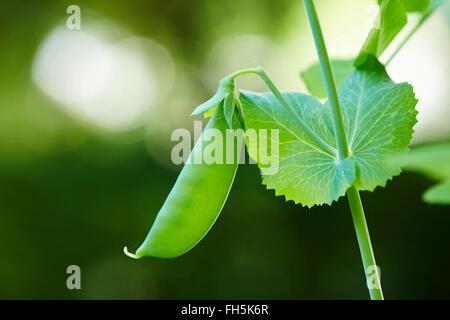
243	71
328	77
365	246
354	199
419	23
302	124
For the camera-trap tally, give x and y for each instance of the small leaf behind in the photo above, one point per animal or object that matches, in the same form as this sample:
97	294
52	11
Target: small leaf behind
438	194
392	18
313	76
413	5
432	160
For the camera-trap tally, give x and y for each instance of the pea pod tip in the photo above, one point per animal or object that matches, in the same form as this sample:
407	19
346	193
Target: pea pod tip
131	255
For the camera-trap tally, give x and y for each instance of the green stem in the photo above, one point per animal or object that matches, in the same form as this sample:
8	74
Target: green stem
243	71
365	246
354	199
327	74
411	32
302	124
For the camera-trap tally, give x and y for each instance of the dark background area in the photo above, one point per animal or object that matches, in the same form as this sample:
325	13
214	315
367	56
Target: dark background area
71	193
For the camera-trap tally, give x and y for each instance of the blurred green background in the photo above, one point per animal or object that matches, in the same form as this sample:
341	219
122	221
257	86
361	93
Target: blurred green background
85	123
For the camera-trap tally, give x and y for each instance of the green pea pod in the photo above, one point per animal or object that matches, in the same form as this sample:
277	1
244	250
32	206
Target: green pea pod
195	200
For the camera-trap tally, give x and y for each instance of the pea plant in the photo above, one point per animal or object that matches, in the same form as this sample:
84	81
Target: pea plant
325	150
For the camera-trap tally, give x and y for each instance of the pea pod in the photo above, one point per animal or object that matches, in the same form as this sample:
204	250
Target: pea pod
194	202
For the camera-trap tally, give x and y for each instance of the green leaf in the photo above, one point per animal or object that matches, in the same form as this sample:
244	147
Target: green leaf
390	20
432	160
434	4
413	5
416	5
313	76
378	116
210	112
229	107
438	194
306	174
